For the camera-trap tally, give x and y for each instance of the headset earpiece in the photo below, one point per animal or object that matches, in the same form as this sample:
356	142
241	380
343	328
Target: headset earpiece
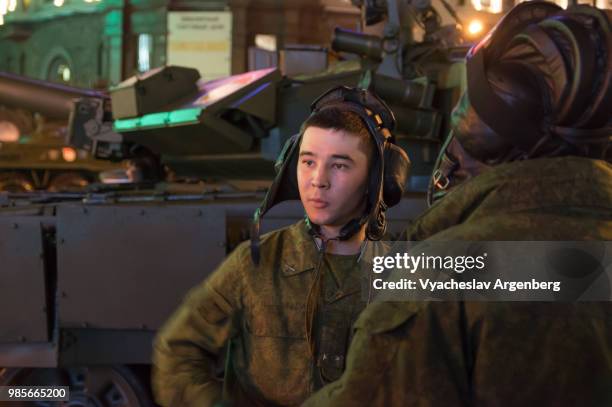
396	173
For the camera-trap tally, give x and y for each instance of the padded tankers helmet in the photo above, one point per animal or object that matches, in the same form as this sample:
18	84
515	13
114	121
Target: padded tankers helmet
539	85
389	173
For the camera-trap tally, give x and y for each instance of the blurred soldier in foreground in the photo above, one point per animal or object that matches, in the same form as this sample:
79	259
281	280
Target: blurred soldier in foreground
529	158
282	309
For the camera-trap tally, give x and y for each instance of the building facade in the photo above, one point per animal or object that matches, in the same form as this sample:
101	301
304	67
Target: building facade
98	43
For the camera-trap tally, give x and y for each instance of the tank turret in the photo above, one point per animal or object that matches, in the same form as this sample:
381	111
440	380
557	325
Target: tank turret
34	152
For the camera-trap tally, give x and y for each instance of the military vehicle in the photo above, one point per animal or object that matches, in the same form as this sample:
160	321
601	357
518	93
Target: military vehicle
34	153
87	278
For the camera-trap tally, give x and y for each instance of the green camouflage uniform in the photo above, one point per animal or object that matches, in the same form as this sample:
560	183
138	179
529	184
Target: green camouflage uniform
493	354
261	311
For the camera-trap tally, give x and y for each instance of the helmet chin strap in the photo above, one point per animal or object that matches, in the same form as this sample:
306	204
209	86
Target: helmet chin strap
346	232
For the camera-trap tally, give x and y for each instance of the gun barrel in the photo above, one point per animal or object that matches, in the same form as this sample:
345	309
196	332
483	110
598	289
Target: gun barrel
369	46
50	99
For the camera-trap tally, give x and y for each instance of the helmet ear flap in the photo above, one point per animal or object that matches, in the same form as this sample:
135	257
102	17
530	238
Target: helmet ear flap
285	187
288	185
285	153
396	173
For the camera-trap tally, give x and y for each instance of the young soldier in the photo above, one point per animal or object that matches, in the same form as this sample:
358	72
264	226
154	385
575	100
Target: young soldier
529	158
285	305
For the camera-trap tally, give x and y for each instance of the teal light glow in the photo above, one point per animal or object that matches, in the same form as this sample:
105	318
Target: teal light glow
157	120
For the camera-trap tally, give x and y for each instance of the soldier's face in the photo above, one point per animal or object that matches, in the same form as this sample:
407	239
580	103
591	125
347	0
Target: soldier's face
332	176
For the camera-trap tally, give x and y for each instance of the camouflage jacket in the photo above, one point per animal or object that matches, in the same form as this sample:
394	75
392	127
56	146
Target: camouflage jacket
261	313
418	354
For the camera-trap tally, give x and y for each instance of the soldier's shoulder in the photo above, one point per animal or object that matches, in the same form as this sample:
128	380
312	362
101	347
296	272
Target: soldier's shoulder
281	240
271	242
293	232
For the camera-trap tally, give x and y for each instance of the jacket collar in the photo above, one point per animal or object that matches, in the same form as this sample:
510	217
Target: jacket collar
300	254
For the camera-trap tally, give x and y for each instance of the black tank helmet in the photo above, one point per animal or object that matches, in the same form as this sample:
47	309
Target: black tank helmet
539	85
389	173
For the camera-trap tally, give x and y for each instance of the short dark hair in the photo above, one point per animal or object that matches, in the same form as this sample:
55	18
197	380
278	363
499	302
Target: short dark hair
343	120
